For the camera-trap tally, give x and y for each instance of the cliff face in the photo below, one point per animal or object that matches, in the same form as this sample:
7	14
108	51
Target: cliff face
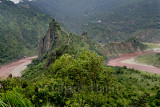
56	43
50	39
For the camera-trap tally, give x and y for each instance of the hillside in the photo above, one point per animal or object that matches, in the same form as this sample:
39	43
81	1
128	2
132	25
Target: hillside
20	30
107	20
75	13
139	19
57	43
70	72
150	59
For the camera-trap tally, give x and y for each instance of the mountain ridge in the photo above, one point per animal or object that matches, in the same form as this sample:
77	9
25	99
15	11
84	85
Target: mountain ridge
138	20
57	43
116	24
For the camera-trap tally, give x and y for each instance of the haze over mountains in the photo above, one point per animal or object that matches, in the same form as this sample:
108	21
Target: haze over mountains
107	20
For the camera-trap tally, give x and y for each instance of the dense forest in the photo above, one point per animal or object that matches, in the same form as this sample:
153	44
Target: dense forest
20	30
70	72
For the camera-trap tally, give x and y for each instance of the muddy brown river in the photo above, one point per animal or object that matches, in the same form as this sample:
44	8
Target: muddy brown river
16	67
129	61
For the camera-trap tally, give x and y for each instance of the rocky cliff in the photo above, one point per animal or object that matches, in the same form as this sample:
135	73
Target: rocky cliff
49	39
56	43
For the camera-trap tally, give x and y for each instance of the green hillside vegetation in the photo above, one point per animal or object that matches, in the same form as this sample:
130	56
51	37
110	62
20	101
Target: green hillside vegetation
107	20
149	59
128	46
151	45
20	30
74	13
139	19
57	43
72	81
70	72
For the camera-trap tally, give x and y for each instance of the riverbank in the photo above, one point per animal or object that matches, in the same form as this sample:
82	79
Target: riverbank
15	67
129	61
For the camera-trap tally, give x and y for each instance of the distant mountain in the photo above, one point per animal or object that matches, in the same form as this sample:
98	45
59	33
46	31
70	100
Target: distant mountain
141	20
74	13
20	30
107	20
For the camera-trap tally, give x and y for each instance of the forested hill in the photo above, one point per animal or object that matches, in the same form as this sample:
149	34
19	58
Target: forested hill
140	20
70	72
57	43
20	30
74	13
107	20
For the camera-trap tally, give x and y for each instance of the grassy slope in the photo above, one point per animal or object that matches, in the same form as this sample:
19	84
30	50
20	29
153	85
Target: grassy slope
141	81
151	45
149	59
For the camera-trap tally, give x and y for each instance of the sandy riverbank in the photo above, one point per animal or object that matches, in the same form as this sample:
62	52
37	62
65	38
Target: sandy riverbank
129	61
16	67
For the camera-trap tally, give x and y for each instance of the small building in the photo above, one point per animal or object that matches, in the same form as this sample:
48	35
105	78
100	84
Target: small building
99	21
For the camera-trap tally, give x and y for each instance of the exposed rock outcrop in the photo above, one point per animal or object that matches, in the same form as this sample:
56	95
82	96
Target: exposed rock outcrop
50	38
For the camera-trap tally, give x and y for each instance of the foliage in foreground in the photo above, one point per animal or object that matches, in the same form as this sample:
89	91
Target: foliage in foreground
82	81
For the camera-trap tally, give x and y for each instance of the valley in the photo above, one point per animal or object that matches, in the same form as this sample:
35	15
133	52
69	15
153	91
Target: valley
15	68
90	53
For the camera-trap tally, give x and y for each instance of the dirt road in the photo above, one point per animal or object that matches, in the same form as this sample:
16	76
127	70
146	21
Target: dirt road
16	67
129	61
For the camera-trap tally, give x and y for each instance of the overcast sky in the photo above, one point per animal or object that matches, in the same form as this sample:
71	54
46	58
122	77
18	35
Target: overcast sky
16	1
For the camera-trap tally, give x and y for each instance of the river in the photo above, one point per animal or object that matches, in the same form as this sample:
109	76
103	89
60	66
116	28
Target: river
15	68
129	61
